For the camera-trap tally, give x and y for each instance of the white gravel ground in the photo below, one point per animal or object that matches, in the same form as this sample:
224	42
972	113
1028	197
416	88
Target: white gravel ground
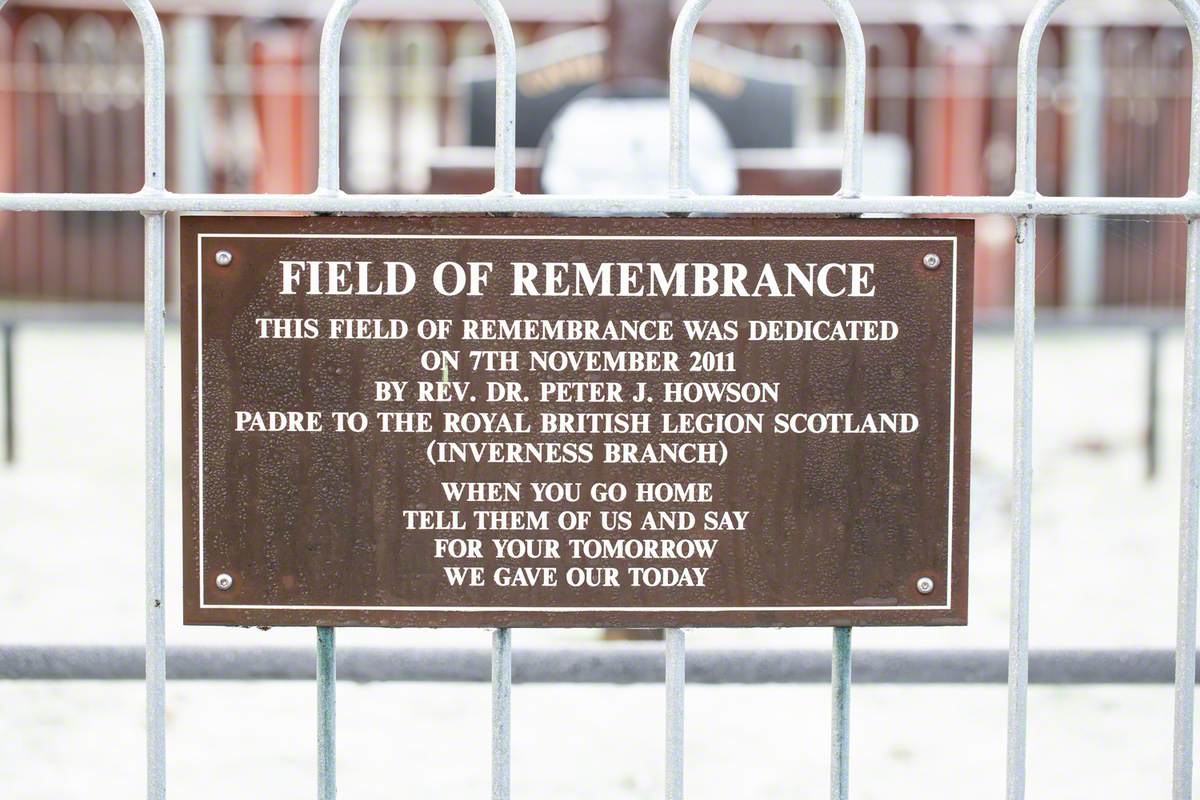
1103	576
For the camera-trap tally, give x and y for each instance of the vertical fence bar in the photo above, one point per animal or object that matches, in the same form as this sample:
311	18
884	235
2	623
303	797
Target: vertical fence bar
839	759
1018	638
501	713
854	113
154	316
156	637
1024	184
329	105
505	184
1189	502
1189	518
678	110
506	95
326	713
679	98
329	178
675	679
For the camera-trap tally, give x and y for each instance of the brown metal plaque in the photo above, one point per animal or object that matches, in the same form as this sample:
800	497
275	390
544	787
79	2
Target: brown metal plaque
638	422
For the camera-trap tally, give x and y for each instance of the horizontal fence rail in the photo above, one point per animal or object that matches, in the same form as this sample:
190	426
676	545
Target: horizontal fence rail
618	664
1017	204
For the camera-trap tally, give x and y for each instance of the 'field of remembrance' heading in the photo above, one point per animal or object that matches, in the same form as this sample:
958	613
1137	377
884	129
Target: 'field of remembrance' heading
580	279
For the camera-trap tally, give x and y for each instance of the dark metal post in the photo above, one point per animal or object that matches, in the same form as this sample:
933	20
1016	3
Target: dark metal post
1152	402
10	395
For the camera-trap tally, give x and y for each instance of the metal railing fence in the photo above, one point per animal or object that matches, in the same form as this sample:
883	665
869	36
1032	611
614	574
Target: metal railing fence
242	111
153	202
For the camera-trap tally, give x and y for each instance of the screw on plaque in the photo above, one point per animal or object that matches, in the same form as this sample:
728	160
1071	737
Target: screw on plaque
924	585
223	258
224	581
931	261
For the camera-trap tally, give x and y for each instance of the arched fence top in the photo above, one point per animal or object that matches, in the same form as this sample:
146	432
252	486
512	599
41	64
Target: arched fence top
1027	93
155	81
853	113
329	157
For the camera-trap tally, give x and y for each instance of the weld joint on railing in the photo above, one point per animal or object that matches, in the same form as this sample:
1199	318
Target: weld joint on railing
1190	196
1029	199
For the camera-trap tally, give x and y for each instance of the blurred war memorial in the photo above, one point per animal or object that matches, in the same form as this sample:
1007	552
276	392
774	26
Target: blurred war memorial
588	119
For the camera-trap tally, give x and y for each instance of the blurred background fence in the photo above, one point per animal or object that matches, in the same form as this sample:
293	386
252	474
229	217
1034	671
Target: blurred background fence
941	118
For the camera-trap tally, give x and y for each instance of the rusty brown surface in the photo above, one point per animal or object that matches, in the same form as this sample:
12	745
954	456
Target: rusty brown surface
310	525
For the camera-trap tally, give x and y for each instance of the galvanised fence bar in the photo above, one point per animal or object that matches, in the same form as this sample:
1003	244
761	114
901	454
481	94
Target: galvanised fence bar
153	202
611	663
